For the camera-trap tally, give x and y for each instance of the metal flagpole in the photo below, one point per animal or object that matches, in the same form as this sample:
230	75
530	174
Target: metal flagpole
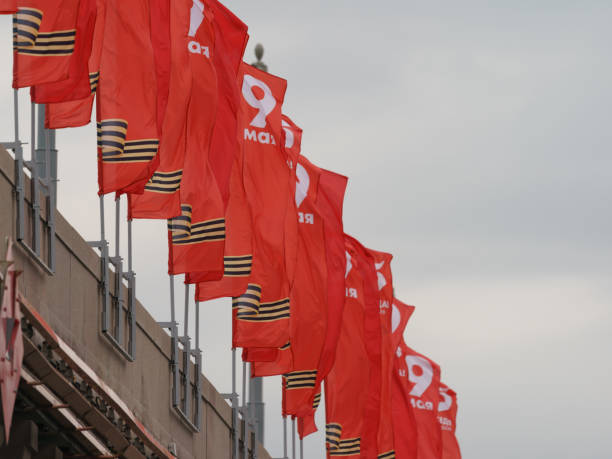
34	182
173	325
18	171
301	448
293	437
233	396
118	272
285	437
245	414
234	404
186	353
132	293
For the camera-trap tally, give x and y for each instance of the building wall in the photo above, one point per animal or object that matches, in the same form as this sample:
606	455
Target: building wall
70	301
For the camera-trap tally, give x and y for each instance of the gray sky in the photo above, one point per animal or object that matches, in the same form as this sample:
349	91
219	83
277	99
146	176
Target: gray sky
477	142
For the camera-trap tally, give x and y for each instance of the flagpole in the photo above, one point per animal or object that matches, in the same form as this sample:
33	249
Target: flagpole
234	404
301	448
293	437
285	437
256	384
245	414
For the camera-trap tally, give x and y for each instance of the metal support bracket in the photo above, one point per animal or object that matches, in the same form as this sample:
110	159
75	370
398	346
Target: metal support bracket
32	243
115	334
183	407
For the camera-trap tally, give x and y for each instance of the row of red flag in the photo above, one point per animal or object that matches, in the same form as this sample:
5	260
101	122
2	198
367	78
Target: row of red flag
194	135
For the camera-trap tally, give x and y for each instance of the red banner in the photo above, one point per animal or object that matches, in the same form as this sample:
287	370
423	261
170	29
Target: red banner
447	416
419	380
77	85
347	384
77	113
262	311
330	203
127	100
382	263
197	237
161	199
405	435
43	41
283	362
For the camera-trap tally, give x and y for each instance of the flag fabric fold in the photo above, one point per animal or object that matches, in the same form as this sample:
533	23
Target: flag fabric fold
291	138
447	416
77	85
418	379
230	42
75	113
382	264
44	37
352	387
405	435
330	200
161	198
128	140
197	237
347	384
262	311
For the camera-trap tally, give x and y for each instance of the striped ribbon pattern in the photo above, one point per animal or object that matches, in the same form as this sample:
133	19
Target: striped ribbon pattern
348	447
165	182
238	266
249	300
26	25
300	379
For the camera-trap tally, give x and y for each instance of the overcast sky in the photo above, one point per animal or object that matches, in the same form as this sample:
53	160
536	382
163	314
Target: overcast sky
476	136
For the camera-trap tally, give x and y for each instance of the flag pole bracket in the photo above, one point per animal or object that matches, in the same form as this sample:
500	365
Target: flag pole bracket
114	333
39	226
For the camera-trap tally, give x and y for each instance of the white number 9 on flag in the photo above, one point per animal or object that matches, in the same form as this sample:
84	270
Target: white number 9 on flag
421	377
265	105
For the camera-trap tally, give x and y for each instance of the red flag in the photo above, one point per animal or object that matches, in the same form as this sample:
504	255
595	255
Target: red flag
77	85
308	295
330	204
330	201
404	422
230	41
291	143
447	416
197	237
127	100
44	34
382	263
8	6
238	254
347	384
352	388
299	358
78	112
161	197
226	159
262	315
419	378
